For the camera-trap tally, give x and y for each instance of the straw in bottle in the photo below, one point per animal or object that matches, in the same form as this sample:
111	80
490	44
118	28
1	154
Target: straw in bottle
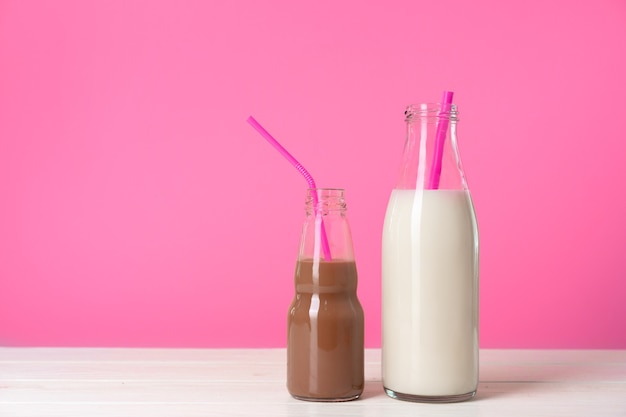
440	138
309	179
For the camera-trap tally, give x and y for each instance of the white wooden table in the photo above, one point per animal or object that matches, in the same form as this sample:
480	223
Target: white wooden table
212	382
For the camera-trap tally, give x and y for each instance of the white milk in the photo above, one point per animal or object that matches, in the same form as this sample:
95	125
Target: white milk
430	293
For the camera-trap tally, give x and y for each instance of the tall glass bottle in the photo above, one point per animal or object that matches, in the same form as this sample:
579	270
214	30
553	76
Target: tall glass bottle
325	320
430	267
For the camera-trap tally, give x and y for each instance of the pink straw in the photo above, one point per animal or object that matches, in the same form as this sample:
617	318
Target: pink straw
309	179
440	139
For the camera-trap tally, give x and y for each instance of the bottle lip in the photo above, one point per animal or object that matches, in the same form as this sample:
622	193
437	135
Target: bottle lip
327	199
326	189
426	110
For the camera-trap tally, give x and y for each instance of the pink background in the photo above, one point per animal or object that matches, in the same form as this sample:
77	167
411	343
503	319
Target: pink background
138	208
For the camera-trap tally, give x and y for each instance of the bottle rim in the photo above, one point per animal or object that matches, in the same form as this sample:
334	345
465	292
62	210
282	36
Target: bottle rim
430	110
328	199
326	192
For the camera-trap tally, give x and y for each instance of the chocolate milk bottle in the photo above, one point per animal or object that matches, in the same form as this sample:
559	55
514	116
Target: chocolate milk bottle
325	320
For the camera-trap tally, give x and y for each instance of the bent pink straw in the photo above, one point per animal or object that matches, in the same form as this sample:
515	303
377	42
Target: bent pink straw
309	179
440	138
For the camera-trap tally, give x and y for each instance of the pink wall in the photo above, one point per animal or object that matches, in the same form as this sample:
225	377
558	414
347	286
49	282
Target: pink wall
139	209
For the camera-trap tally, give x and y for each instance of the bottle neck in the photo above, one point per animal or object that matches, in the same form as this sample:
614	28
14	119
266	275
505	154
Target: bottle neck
325	201
430	159
325	232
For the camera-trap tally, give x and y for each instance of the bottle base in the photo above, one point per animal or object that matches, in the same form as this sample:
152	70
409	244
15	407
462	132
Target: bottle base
326	400
430	398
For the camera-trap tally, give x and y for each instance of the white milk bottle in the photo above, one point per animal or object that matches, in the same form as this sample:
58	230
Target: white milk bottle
430	267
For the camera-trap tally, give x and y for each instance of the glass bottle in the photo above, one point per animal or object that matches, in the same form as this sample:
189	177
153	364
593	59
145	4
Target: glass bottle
325	321
430	267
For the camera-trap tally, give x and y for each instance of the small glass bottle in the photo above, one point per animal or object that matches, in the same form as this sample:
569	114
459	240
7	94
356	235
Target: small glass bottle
325	343
430	267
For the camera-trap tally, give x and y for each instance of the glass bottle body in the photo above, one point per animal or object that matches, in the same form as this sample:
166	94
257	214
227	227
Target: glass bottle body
325	328
430	270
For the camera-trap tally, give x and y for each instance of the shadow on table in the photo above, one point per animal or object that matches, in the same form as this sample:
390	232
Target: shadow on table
373	389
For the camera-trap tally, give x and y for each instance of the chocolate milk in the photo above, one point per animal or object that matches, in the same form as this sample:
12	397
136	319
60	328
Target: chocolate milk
325	333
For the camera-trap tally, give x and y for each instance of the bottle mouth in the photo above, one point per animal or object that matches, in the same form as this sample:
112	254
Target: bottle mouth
325	199
324	193
430	110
